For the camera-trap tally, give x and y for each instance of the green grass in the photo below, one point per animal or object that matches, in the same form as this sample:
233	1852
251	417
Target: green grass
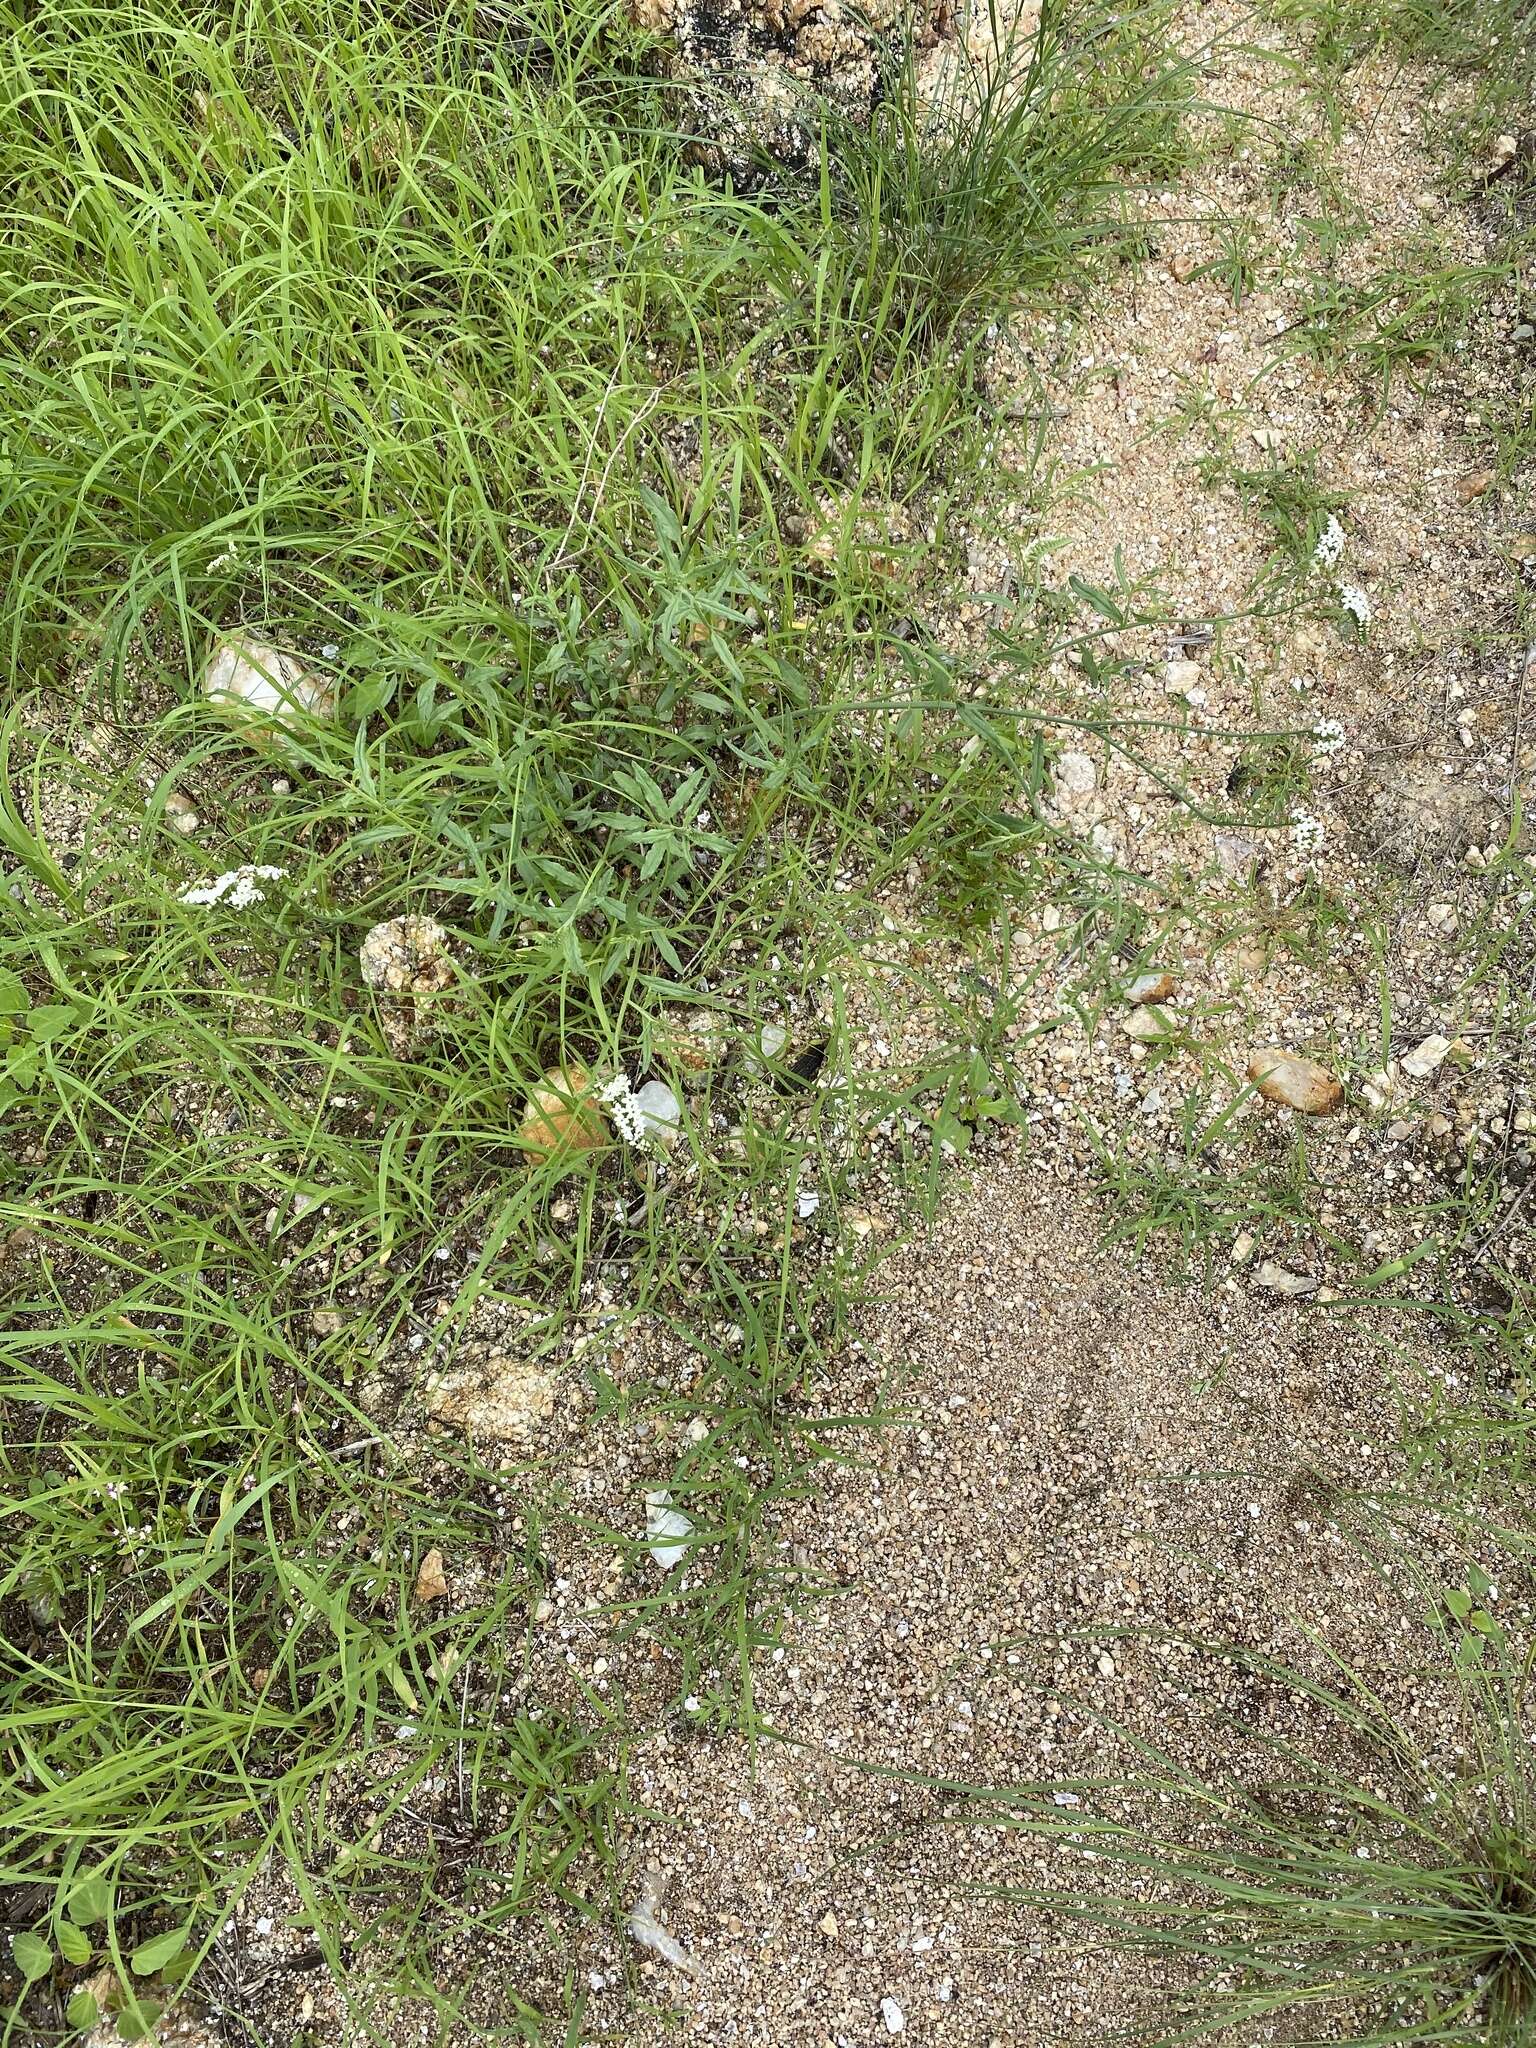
428	349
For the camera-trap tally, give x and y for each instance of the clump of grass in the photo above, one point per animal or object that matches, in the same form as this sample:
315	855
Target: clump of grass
1339	1879
1011	172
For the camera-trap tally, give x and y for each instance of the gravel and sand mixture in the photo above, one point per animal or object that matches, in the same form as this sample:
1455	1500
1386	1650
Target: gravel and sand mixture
1098	1473
1097	1463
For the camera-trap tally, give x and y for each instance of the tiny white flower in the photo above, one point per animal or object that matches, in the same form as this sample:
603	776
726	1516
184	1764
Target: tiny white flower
1306	832
1328	736
1356	603
639	1114
1330	545
238	886
628	1118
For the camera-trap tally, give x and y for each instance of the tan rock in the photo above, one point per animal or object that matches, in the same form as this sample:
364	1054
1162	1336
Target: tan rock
695	1039
1426	1056
561	1117
407	956
1148	1021
1279	1280
1151	988
504	1398
1294	1082
1475	485
1183	266
431	1582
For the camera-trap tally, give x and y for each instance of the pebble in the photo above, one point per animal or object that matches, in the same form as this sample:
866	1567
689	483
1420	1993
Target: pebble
431	1580
667	1529
503	1398
1426	1056
1180	677
1379	1088
1149	1021
661	1110
246	674
1076	774
646	1928
771	1041
1277	1280
1475	485
181	812
895	2019
1294	1082
407	956
1150	988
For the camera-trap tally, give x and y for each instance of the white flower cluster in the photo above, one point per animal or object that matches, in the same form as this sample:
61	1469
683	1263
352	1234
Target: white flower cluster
1328	736
1306	832
628	1118
1356	603
1330	545
640	1114
237	889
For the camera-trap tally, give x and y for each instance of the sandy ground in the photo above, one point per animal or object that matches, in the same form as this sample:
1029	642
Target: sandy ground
1096	1464
1092	1451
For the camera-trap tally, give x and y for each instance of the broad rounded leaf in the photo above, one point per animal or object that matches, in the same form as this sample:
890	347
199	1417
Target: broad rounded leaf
88	1901
153	1955
82	2010
33	1958
136	2021
74	1946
